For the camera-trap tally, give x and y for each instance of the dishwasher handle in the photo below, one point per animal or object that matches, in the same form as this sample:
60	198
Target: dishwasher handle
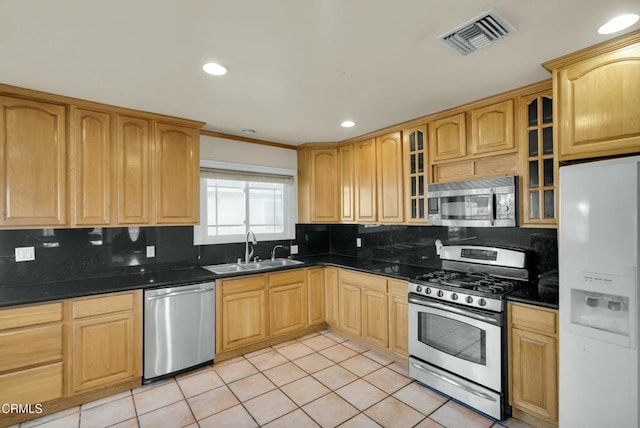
181	293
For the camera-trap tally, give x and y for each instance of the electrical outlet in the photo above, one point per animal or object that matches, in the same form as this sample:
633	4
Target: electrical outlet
358	242
25	254
151	251
294	250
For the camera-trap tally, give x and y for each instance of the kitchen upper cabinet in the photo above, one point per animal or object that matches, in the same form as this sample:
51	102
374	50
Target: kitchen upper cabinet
315	296
364	154
416	175
242	314
331	296
596	93
132	172
31	353
105	342
448	138
492	129
533	363
318	196
347	186
176	172
287	301
33	172
539	179
90	172
398	317
389	178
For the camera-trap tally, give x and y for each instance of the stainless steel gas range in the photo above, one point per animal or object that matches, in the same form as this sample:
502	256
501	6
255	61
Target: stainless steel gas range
457	324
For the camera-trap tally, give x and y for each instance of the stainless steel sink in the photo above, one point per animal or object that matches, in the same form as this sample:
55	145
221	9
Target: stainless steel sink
251	266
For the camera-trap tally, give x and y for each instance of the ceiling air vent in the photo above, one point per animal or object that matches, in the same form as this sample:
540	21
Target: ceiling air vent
478	32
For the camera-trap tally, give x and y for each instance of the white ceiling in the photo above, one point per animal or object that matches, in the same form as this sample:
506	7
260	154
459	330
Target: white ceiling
297	68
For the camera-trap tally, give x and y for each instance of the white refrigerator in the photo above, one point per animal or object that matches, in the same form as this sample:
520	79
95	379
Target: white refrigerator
598	261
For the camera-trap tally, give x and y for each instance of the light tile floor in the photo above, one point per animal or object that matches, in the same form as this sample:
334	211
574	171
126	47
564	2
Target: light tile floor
321	380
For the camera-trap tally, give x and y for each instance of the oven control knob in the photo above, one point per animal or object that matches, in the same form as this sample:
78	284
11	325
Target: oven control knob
482	302
440	293
419	289
469	299
454	296
428	290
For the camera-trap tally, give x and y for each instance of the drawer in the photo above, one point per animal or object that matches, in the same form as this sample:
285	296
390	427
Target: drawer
30	347
398	288
32	386
363	280
30	315
103	305
289	277
242	284
534	319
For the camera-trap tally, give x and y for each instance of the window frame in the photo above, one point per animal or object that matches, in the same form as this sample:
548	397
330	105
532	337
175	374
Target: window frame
290	212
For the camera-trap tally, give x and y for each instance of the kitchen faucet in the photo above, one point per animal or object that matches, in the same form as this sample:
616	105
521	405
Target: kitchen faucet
247	254
273	252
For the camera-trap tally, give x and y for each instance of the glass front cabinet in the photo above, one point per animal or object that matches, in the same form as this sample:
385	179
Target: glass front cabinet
539	164
416	173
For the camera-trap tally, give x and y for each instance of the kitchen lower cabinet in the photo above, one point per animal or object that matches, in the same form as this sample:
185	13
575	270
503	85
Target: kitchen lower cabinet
363	307
533	363
31	354
399	317
287	301
315	296
106	341
331	296
242	314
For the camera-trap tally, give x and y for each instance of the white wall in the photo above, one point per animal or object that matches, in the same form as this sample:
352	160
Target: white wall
220	149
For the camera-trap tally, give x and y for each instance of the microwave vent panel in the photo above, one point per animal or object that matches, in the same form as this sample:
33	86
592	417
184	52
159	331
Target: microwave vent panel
477	33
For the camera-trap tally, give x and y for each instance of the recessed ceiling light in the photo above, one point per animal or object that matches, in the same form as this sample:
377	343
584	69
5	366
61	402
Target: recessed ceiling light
214	69
248	131
348	124
619	23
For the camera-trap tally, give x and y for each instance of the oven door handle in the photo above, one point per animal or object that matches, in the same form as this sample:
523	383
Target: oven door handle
454	310
453	382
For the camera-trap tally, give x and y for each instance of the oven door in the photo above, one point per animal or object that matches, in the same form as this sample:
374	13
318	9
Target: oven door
465	342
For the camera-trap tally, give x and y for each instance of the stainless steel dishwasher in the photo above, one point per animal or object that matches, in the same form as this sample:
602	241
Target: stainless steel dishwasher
179	328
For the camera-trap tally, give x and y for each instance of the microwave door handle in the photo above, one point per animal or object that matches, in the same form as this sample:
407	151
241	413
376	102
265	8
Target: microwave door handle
492	204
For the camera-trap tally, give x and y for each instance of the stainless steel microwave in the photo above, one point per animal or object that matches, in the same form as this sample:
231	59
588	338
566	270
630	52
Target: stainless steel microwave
490	202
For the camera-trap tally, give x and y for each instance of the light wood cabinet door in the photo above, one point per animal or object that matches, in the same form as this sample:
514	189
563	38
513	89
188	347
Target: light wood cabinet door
176	172
389	178
347	186
287	301
350	309
325	202
535	374
375	318
448	138
33	166
242	312
398	317
492	129
533	361
106	341
416	173
315	296
598	103
331	296
90	168
364	154
132	173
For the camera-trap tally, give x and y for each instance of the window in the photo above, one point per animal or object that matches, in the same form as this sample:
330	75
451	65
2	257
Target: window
237	198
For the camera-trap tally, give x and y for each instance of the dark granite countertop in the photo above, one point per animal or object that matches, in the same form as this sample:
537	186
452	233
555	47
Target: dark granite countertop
48	291
544	299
